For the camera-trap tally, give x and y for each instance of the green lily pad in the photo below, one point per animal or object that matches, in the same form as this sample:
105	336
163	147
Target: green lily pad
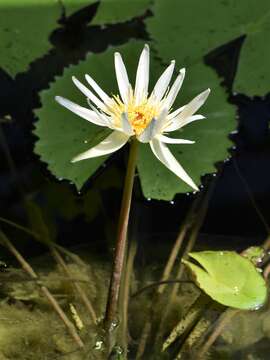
253	73
229	279
111	12
72	6
189	29
25	26
62	135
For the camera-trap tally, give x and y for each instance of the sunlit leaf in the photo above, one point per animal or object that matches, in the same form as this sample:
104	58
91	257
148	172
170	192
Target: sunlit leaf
229	279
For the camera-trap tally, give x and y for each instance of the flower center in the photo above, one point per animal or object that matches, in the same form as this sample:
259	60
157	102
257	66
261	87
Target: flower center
139	116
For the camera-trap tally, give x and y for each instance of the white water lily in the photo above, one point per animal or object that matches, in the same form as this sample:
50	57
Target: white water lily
134	113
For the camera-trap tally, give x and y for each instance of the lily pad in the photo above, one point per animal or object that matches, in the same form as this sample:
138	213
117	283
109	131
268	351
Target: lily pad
62	135
111	12
71	6
188	30
253	73
25	27
229	279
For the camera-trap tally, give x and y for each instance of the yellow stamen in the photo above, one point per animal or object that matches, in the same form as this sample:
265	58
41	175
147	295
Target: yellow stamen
139	116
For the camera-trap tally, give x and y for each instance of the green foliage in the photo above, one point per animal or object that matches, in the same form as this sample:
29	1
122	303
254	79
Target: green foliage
22	42
185	23
253	74
25	27
72	6
229	279
62	134
255	254
111	12
189	29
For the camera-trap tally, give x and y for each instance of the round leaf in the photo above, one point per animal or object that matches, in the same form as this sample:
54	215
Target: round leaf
229	279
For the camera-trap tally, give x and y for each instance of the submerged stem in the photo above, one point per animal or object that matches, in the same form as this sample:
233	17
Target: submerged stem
124	301
113	297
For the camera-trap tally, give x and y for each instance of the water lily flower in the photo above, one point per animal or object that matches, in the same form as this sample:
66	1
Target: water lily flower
136	113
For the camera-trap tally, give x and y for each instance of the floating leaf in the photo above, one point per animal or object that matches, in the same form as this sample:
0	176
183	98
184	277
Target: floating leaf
229	279
253	73
25	27
72	6
111	12
195	29
62	134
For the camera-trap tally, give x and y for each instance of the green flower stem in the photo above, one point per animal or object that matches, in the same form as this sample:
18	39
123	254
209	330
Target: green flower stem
113	297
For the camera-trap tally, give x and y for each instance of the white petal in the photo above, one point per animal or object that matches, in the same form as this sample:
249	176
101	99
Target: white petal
101	115
81	111
169	100
161	121
142	76
195	104
191	108
164	155
111	144
168	140
122	77
163	82
104	97
178	123
175	113
88	93
126	126
148	132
